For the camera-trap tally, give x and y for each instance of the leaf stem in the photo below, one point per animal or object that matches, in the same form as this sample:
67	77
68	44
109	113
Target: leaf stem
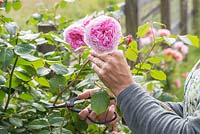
10	84
72	82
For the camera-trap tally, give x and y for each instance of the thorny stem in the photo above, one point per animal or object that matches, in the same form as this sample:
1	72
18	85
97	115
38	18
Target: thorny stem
72	82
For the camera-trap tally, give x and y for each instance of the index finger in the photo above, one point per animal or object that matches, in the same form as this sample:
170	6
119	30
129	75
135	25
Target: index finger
103	56
87	94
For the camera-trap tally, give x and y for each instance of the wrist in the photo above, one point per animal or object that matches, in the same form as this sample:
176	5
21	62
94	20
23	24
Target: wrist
122	88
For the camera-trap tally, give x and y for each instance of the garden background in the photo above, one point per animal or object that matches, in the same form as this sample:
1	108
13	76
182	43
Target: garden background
33	117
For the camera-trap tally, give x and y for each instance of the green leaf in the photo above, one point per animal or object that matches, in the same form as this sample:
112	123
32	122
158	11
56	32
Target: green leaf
39	107
142	30
16	122
169	40
190	40
29	36
100	101
43	132
132	52
16	4
15	82
22	76
23	49
194	40
59	69
11	27
2	80
42	81
38	124
29	57
2	96
154	60
26	97
56	121
38	63
42	71
159	75
6	55
143	66
57	82
3	130
64	131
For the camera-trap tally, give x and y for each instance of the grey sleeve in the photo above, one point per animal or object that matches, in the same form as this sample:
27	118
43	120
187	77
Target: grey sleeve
177	107
144	115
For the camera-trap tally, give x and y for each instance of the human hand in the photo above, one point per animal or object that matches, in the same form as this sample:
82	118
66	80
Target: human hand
106	116
113	70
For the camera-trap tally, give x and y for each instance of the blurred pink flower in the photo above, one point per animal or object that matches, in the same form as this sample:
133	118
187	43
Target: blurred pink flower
177	56
74	36
177	83
1	3
181	47
128	38
164	32
145	41
103	34
184	75
151	32
168	51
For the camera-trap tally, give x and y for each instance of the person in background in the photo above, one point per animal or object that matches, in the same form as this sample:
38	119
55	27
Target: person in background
142	113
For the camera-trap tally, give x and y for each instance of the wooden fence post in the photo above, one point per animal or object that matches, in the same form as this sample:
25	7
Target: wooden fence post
195	12
132	20
165	13
184	16
132	17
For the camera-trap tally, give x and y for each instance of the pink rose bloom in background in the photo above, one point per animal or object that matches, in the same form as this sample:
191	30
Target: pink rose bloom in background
168	51
1	3
164	32
181	47
151	32
177	56
184	75
177	83
103	34
145	41
74	36
128	38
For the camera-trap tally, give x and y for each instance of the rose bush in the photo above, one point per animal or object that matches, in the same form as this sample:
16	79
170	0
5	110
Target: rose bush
30	81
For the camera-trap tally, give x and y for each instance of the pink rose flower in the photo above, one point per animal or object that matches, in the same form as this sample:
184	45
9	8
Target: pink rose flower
184	75
181	47
151	32
128	38
1	3
168	51
145	41
177	56
177	83
74	36
164	32
103	34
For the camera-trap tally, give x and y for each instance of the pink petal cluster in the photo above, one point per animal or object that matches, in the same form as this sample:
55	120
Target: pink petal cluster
103	34
145	41
181	47
74	36
177	83
1	3
164	33
128	38
175	54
